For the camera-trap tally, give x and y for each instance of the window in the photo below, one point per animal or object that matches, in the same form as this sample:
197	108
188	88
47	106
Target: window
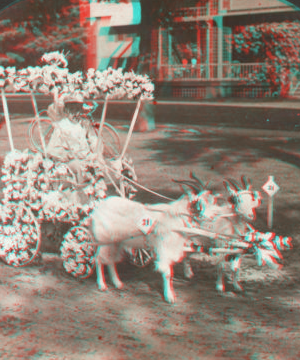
214	7
226	4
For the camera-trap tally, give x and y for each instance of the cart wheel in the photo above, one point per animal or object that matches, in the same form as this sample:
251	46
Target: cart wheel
47	128
20	235
78	252
112	144
140	257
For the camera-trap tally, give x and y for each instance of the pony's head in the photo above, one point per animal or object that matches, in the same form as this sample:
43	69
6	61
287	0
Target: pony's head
198	195
244	200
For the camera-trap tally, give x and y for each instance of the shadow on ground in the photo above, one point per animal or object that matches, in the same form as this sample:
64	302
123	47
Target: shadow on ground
218	150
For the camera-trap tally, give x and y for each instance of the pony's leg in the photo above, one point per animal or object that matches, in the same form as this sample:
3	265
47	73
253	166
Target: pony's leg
114	276
100	273
165	268
235	265
169	294
187	268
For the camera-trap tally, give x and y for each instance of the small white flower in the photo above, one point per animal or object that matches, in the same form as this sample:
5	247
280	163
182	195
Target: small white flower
55	58
90	73
136	92
89	190
11	71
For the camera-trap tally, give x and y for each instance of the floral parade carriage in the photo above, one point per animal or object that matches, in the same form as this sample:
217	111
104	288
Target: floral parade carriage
34	191
36	188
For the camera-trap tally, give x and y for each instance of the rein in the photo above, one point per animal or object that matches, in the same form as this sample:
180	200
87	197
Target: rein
140	186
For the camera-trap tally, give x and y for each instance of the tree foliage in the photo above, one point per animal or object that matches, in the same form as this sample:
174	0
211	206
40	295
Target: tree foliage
276	44
30	28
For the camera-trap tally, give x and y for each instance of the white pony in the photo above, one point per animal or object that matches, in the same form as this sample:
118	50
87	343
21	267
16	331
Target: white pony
229	218
117	223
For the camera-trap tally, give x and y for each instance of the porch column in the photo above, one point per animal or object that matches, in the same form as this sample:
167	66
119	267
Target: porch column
159	57
198	66
210	49
170	57
198	43
219	21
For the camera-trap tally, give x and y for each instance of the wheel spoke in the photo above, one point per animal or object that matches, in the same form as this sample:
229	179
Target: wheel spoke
134	256
146	253
141	257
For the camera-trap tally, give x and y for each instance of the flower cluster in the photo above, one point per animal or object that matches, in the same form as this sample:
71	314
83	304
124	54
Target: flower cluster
54	77
78	253
55	58
7	76
138	86
18	235
32	182
117	85
55	205
29	179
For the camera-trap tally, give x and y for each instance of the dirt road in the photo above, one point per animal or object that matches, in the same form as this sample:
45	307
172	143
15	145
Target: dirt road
46	314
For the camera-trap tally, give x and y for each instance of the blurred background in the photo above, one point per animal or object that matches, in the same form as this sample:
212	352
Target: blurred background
203	49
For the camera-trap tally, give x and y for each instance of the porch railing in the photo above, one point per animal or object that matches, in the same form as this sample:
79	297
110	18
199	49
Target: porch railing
294	82
194	12
233	71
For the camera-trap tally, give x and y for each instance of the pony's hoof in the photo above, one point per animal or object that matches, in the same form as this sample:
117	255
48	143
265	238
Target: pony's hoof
229	294
170	298
119	285
102	287
220	288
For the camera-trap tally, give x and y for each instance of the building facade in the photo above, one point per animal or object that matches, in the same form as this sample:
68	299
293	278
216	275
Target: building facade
113	32
191	54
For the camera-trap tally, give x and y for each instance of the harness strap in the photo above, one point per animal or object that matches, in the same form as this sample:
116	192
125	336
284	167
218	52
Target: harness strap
227	215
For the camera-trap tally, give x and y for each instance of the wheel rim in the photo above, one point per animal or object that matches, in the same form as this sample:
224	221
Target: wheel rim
112	145
34	135
24	236
78	252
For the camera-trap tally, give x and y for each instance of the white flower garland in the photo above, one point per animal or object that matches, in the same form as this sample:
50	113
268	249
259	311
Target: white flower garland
78	253
54	76
18	235
29	180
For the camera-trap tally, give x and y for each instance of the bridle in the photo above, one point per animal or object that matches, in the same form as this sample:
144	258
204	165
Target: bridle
238	199
196	206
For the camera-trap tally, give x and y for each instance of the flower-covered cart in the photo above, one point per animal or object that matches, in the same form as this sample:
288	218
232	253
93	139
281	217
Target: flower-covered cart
38	189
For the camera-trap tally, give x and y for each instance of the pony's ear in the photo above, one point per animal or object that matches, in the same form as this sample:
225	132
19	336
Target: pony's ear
246	183
198	181
230	187
189	190
188	187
